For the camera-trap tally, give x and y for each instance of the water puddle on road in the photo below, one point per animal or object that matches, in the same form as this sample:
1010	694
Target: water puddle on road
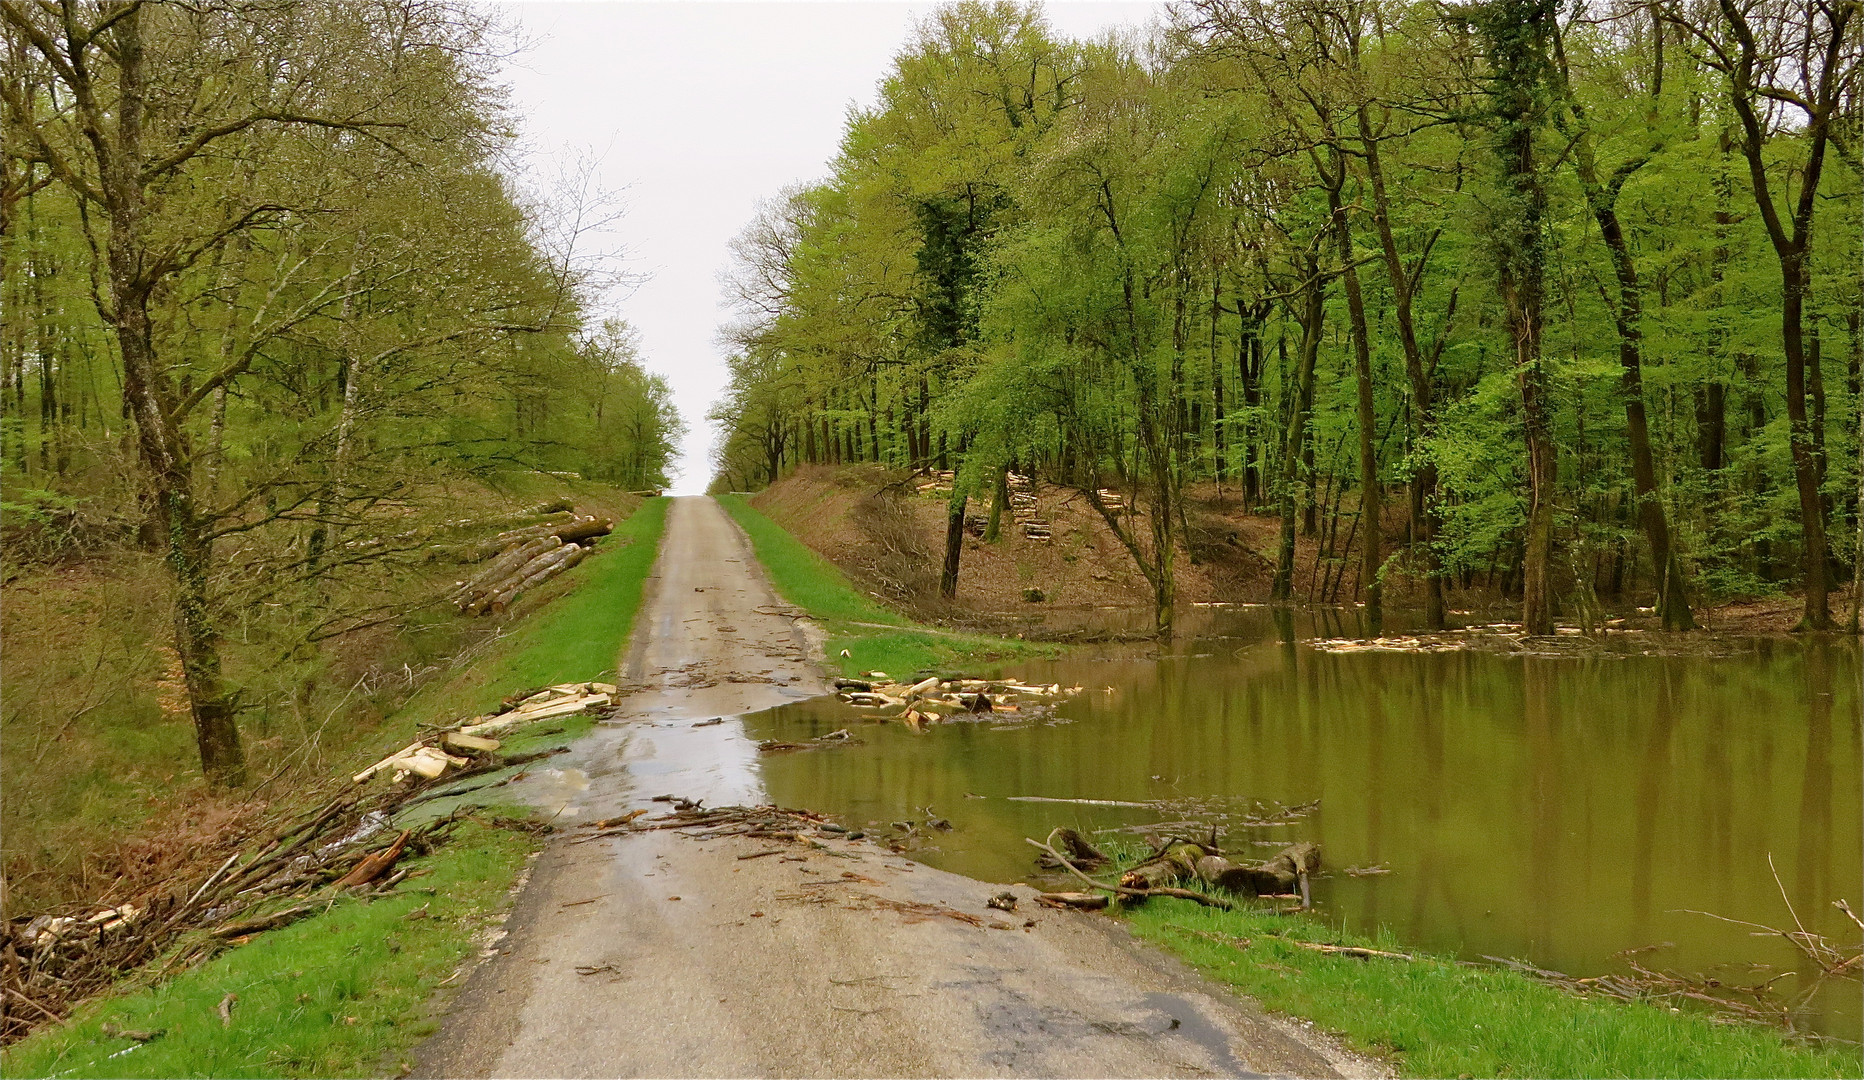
1552	809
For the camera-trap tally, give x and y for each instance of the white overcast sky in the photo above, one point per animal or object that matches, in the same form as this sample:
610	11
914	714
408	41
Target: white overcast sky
698	110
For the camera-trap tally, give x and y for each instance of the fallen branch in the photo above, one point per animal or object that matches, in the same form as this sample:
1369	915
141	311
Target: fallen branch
1348	950
1120	890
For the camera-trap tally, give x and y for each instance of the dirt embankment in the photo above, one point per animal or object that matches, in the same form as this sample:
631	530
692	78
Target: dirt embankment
886	530
889	537
97	752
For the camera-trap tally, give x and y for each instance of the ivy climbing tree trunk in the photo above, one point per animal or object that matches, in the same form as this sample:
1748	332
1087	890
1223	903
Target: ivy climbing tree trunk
1516	34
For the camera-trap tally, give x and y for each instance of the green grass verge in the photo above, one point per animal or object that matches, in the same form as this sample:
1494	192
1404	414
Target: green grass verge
345	993
341	994
1434	1017
890	642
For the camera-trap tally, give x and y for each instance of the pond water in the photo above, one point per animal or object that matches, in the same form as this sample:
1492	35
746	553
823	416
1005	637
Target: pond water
1551	809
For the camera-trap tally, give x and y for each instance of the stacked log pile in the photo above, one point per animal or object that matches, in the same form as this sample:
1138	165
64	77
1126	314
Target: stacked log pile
526	557
1026	510
934	698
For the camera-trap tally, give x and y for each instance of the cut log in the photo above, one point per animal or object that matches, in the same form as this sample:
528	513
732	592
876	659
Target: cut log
469	742
1177	862
374	864
509	539
386	762
1081	901
565	707
922	688
477	594
536	572
584	528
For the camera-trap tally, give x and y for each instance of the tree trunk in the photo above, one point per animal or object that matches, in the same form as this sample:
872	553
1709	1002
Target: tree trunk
954	542
1404	286
999	498
1792	245
1672	595
161	443
1370	562
1295	448
1517	33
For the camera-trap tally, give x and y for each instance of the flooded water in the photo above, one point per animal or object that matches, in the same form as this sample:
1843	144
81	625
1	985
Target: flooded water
1551	809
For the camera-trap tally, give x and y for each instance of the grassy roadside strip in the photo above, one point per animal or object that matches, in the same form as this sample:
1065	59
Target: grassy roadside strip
1433	1017
876	638
346	992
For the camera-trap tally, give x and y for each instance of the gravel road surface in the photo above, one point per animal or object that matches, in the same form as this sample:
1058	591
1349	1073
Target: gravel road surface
659	955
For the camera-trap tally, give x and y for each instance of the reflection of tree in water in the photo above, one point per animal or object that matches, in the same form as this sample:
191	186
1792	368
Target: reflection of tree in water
1655	768
1553	809
1815	797
1545	799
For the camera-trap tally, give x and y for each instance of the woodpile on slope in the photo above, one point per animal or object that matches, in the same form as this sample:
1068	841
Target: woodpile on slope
934	698
525	557
450	747
347	847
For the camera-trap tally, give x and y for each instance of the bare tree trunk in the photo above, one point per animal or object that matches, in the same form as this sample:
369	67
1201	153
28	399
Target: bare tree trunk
1295	440
1792	244
1404	287
161	442
1602	197
1370	562
954	545
993	531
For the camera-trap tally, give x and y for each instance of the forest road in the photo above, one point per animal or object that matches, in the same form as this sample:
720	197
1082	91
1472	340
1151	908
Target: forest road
658	955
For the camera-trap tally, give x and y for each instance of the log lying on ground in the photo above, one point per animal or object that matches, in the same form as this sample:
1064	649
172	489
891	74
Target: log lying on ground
511	538
568	528
1176	862
496	595
1287	872
537	572
521	560
1076	848
483	583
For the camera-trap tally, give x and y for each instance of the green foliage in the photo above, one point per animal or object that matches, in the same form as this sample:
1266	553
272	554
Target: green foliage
1157	212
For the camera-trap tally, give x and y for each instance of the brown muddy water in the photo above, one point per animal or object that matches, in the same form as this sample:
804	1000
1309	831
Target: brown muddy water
1554	809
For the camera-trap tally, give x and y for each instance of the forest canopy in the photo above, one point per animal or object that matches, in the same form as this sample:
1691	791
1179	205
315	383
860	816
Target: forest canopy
271	293
1564	295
